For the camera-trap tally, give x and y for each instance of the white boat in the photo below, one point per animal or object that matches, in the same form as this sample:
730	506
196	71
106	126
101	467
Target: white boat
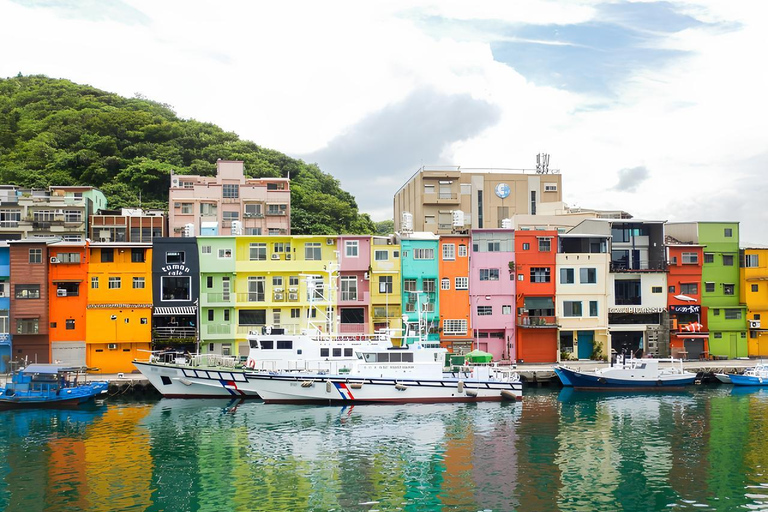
390	375
177	375
756	376
629	374
724	378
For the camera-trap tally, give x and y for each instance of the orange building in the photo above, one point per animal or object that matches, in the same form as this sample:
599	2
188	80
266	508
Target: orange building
455	328
67	273
535	266
688	335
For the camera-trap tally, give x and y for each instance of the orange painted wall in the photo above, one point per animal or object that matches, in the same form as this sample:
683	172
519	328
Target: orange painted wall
454	304
71	307
679	273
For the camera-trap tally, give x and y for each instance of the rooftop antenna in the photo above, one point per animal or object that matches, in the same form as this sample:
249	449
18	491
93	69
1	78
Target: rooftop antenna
542	164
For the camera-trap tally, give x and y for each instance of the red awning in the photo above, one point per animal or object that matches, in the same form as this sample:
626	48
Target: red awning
700	335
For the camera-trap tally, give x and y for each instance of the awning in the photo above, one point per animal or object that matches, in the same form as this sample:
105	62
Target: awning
539	303
67	280
173	311
698	335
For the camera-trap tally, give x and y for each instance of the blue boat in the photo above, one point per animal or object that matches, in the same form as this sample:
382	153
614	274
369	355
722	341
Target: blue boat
49	385
629	375
757	376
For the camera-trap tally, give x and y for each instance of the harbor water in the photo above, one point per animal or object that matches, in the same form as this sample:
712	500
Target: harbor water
702	449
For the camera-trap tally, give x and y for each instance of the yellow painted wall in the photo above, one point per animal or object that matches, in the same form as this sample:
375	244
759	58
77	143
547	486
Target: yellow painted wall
392	301
754	293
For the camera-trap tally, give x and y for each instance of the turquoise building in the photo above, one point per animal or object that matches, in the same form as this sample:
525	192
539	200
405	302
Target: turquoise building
5	306
419	282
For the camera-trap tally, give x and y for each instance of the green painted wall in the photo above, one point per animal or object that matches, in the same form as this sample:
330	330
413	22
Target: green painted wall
217	263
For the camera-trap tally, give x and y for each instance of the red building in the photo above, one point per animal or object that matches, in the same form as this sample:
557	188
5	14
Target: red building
29	300
688	336
535	265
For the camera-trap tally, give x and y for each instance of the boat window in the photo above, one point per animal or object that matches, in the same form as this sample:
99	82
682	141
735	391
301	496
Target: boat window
254	344
285	344
395	357
337	352
383	358
369	358
267	344
347	352
408	357
323	352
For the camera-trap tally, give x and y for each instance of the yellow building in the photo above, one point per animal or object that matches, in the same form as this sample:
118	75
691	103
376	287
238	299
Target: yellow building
273	286
754	293
385	284
119	309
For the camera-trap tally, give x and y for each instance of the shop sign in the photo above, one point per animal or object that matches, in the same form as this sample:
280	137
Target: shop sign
118	306
175	269
685	309
635	310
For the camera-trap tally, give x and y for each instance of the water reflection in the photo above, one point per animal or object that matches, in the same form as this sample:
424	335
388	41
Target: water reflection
701	449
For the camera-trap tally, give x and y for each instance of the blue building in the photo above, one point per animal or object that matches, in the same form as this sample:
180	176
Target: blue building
5	306
419	276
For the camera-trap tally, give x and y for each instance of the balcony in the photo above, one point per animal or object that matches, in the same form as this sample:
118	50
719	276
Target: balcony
217	298
353	328
440	198
639	266
169	333
251	297
219	329
537	322
9	223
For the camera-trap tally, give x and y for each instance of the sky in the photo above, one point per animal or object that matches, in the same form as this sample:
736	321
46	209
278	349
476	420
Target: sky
656	108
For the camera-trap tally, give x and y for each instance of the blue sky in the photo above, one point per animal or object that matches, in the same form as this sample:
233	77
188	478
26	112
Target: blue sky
653	107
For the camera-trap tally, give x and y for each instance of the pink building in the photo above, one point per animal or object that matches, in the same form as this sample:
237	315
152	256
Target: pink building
354	283
492	291
228	204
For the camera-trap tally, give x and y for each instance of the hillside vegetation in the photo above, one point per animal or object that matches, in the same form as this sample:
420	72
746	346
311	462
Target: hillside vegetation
56	132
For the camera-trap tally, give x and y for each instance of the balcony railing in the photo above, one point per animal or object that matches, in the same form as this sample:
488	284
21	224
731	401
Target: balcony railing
166	333
221	297
639	266
526	320
353	328
251	297
219	329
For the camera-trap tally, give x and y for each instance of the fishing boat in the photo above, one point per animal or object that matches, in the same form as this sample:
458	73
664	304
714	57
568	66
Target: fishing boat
49	385
413	373
756	376
629	374
723	378
180	375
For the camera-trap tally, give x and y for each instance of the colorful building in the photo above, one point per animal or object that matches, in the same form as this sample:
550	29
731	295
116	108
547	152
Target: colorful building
118	312
217	295
582	295
455	325
29	300
492	292
688	331
421	310
754	293
127	225
5	306
726	318
537	323
68	299
386	309
353	299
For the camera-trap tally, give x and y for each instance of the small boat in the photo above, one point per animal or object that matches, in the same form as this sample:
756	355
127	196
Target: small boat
630	374
49	385
757	376
723	378
391	375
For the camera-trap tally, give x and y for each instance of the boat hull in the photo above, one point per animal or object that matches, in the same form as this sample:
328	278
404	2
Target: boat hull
187	382
70	397
723	378
594	381
283	388
748	380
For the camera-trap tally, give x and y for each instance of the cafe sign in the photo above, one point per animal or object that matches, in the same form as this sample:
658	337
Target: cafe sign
692	309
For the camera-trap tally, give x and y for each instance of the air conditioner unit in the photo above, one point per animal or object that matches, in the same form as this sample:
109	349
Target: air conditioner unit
293	296
754	324
367	276
112	346
275	256
278	290
55	260
287	256
278	296
293	290
61	292
177	205
175	182
58	212
330	241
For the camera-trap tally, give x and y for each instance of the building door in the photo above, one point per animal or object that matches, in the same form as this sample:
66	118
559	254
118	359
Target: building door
694	347
734	347
585	344
635	259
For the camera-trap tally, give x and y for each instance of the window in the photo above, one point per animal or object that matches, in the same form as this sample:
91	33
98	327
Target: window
295	313
429	219
733	314
175	257
715	312
68	257
454	327
253	210
312	251
230	191
489	274
428	285
225	254
690	258
137	256
208	209
526	246
445	284
461	283
728	260
205	249
506	309
493	246
293	281
107	255
252	317
754	288
256	289
380	255
689	288
209	282
429	189
750	260
545	244
385	284
593	308
449	251
210	315
226	315
709	257
27	291
627	292
484	310
540	275
728	233
351	248
230	216
276	209
566	276
462	251
348	288
409	285
588	275
571	308
281	247
186	208
277	280
138	283
114	283
258	252
27	326
718	335
671	289
276	321
94	283
423	254
709	287
656	289
729	289
67	289
175	288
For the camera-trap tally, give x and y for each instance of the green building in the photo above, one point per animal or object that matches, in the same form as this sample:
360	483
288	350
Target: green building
217	297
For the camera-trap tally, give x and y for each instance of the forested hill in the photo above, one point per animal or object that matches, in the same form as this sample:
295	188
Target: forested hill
56	132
